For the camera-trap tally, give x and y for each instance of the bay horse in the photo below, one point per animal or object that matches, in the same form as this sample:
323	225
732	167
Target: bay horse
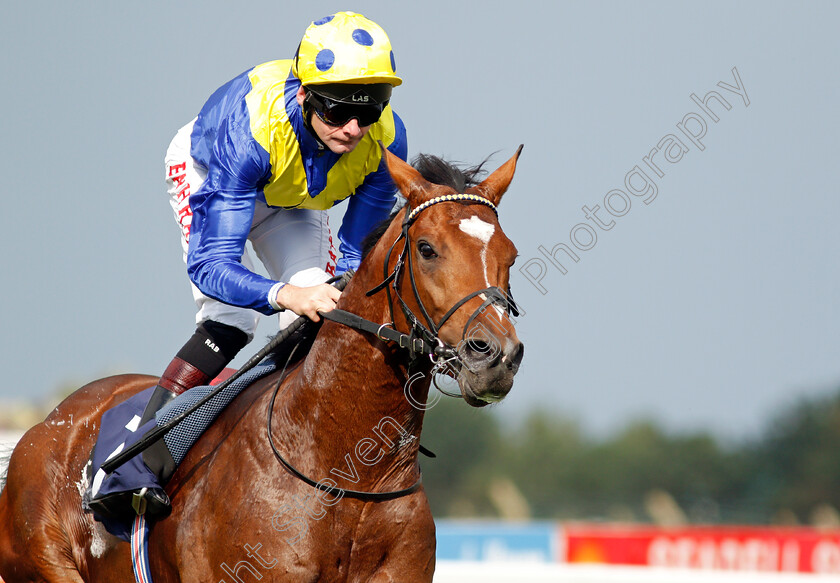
346	417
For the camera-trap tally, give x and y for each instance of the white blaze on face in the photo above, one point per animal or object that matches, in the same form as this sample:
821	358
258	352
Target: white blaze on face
482	231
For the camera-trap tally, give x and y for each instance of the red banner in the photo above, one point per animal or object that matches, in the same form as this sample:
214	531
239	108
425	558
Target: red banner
802	550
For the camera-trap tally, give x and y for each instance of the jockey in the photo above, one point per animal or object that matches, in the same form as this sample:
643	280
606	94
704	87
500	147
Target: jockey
267	155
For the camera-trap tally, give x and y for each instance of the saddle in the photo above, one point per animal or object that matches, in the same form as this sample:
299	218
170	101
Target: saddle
110	496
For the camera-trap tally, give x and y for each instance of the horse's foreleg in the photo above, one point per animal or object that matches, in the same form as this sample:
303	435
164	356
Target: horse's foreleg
406	554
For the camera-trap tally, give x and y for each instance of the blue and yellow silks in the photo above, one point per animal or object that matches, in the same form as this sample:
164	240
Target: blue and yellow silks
251	139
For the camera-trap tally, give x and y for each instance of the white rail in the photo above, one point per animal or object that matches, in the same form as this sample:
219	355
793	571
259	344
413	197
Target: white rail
499	572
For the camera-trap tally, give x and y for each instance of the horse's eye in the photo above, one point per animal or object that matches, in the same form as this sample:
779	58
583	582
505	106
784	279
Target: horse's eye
426	250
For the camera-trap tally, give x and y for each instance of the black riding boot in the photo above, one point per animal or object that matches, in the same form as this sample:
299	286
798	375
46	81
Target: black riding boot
179	377
203	357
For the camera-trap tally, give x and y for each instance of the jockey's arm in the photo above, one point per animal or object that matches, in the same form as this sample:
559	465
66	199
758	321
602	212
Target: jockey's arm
223	210
223	221
371	204
220	226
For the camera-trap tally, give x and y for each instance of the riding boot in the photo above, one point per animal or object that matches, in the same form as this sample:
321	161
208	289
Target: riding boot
179	377
203	357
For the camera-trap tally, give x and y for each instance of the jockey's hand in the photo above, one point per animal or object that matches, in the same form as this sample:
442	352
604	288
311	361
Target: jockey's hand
308	301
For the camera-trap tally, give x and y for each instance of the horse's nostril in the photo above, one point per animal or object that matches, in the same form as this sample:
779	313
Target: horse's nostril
482	353
478	346
512	361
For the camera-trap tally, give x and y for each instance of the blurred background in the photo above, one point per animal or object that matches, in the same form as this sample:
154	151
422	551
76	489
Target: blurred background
683	369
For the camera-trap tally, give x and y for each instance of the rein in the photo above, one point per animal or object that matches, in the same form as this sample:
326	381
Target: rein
160	431
340	492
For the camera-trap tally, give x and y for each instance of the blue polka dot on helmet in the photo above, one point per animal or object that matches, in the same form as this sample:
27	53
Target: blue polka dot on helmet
362	37
324	59
345	48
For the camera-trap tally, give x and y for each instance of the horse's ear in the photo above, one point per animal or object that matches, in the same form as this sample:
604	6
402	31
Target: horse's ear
495	185
408	180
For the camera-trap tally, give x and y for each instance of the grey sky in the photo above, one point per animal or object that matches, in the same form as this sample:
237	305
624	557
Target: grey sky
712	307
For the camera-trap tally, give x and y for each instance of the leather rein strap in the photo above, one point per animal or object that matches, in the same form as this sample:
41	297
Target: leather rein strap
384	332
340	492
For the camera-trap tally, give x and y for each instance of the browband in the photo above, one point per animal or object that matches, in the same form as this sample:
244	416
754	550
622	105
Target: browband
450	198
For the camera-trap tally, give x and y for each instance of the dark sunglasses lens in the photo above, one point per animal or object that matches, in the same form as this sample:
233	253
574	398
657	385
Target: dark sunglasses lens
340	113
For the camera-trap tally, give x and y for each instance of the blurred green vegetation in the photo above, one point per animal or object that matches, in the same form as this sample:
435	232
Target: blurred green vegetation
547	468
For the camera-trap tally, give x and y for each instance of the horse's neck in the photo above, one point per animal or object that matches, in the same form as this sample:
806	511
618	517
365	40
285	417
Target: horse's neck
351	398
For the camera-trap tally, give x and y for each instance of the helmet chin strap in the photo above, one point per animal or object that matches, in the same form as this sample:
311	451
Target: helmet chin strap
307	116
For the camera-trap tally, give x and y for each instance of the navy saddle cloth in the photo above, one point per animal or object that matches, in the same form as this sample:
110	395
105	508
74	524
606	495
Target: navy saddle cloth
120	429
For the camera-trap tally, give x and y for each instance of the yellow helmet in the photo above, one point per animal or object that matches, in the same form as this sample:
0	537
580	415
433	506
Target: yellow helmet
345	48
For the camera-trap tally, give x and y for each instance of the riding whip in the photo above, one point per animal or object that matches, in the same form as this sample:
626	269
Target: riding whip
159	432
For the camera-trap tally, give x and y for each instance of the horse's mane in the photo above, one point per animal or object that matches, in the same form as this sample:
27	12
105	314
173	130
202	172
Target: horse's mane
437	171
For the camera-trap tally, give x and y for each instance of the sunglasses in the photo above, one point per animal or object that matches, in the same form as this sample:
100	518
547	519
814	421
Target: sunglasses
336	113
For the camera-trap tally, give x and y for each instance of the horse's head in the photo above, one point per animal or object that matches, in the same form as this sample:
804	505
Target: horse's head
452	262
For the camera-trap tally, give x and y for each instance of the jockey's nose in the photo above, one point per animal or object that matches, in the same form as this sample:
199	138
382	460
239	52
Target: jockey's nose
352	129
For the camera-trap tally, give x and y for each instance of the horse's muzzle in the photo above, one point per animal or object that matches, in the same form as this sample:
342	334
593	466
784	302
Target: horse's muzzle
488	369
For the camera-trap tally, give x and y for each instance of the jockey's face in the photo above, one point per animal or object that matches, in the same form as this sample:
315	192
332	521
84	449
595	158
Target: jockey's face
339	140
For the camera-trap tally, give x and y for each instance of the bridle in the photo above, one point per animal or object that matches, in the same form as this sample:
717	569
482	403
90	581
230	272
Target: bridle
422	339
